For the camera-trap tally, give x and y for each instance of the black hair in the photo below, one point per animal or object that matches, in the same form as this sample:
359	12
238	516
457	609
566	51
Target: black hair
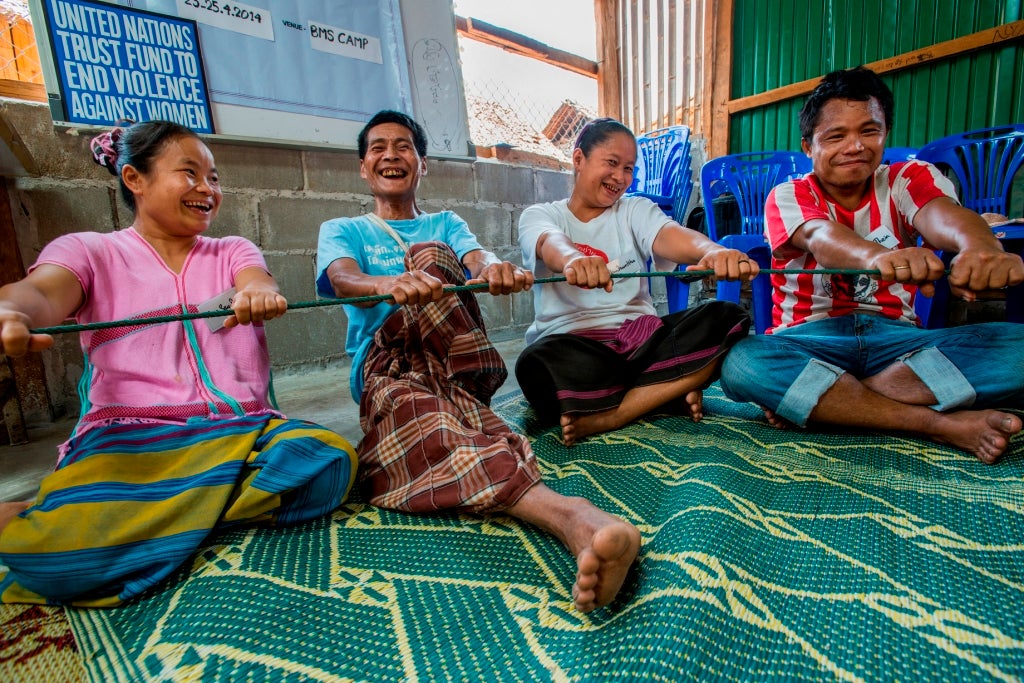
137	146
597	131
419	136
858	83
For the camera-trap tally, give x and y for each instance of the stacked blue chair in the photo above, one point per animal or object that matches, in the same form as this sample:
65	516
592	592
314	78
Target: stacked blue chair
663	170
749	177
983	163
663	175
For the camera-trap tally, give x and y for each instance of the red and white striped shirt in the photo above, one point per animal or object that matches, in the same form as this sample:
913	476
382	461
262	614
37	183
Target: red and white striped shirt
886	215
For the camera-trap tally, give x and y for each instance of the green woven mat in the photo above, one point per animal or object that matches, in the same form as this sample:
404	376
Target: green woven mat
768	555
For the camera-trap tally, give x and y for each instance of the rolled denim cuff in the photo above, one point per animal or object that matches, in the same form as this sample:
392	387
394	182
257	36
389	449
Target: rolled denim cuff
942	377
803	395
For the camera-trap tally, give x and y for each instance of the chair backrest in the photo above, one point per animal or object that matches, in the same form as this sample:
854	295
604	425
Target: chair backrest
748	177
891	155
663	169
983	162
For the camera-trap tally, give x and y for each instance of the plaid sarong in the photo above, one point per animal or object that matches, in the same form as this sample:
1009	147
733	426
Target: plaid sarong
432	442
130	503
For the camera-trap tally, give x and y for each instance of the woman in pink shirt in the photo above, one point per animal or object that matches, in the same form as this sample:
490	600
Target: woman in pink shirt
178	436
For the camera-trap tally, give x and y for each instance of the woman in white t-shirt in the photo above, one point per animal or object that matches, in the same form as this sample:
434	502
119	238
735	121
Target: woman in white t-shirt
599	356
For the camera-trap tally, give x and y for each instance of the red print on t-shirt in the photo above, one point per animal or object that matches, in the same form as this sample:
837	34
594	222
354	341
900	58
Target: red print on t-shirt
588	250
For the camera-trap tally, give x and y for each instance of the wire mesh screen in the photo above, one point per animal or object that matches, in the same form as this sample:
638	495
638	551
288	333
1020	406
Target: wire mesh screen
524	104
19	59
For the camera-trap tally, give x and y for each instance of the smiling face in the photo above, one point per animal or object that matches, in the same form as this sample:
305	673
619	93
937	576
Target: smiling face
846	146
180	195
605	174
391	165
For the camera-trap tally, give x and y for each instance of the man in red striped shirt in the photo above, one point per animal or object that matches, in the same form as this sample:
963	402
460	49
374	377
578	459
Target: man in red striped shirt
846	349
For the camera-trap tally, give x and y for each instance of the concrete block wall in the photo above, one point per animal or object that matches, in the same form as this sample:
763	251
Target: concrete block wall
277	197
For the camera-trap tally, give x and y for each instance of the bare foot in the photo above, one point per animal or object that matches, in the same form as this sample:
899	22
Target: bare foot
695	403
577	426
984	433
776	421
605	548
604	545
9	511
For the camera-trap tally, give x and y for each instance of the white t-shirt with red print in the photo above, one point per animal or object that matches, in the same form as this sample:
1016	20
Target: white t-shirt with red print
623	236
886	216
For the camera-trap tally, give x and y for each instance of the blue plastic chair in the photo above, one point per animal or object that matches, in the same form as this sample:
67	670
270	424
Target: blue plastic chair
891	155
983	164
663	172
749	177
663	175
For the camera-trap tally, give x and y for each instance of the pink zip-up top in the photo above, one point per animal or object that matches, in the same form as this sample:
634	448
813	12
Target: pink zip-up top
165	372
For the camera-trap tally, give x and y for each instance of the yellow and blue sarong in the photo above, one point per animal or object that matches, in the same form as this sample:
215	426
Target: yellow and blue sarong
130	503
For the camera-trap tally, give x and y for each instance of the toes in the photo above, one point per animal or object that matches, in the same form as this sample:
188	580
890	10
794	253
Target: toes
584	599
587	565
586	583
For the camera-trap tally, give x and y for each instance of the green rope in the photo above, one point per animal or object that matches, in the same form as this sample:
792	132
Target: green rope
684	275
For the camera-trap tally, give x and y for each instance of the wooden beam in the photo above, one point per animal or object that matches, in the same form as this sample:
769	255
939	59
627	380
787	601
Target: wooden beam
609	73
518	44
721	83
21	90
950	48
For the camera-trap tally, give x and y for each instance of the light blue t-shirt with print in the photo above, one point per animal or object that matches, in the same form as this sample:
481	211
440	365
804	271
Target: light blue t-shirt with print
377	253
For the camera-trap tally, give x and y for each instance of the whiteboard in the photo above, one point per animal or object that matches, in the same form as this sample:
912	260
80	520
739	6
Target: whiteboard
419	54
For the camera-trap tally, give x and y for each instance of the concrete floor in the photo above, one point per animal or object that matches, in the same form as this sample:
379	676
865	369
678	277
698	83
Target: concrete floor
318	394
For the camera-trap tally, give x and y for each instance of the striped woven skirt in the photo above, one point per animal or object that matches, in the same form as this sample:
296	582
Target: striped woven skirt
130	503
580	373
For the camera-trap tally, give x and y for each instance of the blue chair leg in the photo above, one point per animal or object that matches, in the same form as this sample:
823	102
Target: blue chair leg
761	291
1015	295
677	293
761	304
760	296
1015	304
933	311
728	290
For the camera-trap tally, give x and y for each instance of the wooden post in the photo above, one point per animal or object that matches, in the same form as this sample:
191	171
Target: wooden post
649	119
720	51
609	73
672	98
662	75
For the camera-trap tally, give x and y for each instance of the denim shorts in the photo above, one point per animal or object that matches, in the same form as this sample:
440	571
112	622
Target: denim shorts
970	366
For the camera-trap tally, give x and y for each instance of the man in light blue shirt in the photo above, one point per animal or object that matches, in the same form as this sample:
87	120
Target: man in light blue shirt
424	371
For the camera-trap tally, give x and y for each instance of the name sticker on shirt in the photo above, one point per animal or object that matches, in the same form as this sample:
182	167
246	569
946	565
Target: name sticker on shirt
884	237
221	302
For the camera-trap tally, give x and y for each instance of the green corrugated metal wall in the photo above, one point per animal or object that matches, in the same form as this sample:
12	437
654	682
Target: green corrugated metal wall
779	42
